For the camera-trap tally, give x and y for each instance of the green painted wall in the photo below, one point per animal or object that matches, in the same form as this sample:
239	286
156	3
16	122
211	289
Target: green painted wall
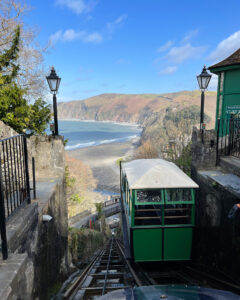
147	244
228	96
152	245
177	243
232	79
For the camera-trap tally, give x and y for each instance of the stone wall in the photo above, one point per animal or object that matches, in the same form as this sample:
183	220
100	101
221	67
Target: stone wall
51	251
203	153
216	243
48	152
38	251
6	131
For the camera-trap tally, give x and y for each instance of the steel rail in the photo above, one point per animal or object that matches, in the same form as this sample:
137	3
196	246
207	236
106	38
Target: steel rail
106	274
73	288
214	281
104	261
135	276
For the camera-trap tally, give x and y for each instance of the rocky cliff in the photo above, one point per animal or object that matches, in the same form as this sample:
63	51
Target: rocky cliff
132	108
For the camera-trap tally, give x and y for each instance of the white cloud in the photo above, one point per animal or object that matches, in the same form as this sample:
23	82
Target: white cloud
189	36
71	35
168	63
120	19
166	46
55	37
168	70
111	26
78	6
226	47
178	55
94	37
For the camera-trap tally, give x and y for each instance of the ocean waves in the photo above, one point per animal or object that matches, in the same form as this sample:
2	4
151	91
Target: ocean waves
100	142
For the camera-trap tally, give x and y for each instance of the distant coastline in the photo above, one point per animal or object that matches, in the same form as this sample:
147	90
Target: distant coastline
102	153
91	133
105	121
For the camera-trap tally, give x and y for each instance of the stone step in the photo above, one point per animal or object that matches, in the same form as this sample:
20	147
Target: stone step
230	164
12	276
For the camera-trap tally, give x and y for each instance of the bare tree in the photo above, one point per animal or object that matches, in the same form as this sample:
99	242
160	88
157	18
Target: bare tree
31	75
146	150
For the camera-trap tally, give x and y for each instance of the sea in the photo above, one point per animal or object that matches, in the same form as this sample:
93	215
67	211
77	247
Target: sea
81	134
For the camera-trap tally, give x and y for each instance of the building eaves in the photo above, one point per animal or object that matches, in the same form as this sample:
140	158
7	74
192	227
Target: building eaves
233	59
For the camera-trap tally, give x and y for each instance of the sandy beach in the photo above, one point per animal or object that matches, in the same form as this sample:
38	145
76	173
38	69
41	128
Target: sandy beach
102	160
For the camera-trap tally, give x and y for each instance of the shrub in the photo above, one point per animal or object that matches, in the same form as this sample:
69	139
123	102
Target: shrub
76	198
146	150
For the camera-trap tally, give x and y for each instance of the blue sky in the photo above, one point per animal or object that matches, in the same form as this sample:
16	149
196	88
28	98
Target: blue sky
133	46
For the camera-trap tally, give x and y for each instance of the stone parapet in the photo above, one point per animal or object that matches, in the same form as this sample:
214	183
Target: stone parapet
203	150
48	152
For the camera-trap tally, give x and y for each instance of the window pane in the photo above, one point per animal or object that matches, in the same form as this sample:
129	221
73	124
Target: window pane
175	195
148	215
149	196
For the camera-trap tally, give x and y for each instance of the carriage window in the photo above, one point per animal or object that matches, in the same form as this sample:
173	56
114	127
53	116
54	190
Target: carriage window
177	214
148	215
178	195
149	196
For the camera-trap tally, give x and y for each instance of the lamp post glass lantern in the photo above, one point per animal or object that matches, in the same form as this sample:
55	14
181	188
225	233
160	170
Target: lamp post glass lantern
203	81
54	82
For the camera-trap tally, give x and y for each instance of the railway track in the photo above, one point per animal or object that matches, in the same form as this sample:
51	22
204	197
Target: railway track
108	271
165	274
206	279
182	274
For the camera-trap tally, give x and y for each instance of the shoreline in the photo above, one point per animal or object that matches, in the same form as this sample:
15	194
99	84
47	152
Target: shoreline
104	121
134	139
102	159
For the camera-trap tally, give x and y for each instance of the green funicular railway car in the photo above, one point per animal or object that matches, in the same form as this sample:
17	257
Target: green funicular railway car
159	204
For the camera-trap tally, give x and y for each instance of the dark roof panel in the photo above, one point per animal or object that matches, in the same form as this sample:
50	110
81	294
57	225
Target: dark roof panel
233	59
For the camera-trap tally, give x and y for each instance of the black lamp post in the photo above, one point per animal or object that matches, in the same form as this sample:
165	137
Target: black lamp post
203	81
54	82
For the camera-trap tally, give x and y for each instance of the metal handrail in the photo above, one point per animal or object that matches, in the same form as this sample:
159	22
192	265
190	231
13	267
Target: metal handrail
14	180
228	138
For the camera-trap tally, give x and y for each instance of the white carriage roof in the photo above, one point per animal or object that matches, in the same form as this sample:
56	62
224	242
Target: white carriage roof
155	173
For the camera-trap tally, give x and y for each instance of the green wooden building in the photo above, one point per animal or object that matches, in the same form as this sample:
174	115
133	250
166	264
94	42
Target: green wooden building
228	91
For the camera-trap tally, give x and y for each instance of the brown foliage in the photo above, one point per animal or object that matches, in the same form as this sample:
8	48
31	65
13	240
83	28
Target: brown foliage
82	173
80	184
146	150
